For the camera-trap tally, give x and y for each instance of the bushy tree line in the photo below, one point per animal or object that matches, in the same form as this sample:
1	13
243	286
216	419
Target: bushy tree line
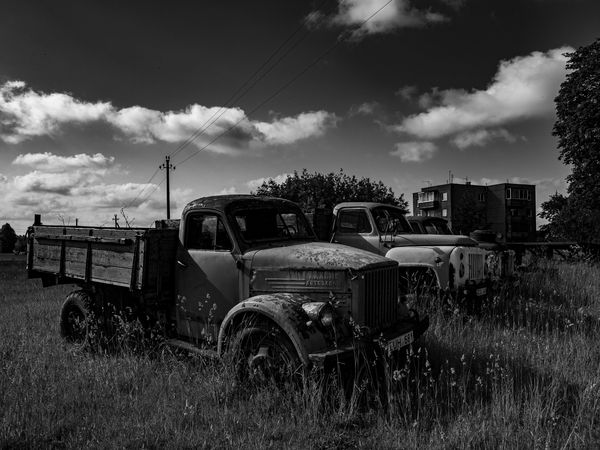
576	216
8	238
317	190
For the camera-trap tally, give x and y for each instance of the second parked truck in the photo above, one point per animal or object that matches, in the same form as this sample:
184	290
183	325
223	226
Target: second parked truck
452	266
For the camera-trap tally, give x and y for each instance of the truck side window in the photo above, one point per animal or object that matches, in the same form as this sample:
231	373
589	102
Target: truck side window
354	221
206	232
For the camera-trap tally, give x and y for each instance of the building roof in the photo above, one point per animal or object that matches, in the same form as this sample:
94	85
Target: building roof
437	186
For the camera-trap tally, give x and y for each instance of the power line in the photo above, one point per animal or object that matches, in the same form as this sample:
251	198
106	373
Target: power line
237	95
143	189
153	190
234	98
285	85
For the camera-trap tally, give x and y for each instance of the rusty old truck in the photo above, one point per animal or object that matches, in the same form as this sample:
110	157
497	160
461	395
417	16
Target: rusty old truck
452	265
241	275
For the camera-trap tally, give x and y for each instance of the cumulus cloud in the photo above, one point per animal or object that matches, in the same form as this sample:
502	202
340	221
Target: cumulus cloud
60	174
25	114
291	129
366	17
479	138
414	151
256	183
62	186
50	162
523	87
407	92
364	109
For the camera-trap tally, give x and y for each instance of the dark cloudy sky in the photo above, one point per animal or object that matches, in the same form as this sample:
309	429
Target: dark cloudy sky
94	94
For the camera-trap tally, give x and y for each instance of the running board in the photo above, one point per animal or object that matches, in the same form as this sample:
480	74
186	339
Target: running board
183	345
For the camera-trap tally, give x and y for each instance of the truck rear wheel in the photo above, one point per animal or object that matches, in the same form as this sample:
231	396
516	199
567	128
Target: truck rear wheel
74	317
262	355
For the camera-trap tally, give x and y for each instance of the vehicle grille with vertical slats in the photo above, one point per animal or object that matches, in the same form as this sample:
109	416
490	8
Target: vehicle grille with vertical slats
381	297
476	262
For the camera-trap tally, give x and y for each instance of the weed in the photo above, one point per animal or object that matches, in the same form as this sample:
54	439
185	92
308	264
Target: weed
522	374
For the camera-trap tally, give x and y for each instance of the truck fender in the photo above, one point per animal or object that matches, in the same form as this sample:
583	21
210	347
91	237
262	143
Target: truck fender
423	257
285	310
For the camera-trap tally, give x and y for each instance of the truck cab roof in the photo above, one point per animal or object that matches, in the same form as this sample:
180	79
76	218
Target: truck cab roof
369	205
223	202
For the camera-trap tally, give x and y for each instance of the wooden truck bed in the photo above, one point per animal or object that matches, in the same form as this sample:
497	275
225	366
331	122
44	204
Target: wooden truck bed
140	259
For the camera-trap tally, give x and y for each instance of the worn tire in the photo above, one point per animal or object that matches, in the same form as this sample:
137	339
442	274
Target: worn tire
75	318
262	354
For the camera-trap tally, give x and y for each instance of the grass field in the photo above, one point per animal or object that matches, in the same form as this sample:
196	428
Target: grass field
523	375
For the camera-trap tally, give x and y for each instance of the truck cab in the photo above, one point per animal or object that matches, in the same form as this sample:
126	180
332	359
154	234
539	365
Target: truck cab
454	264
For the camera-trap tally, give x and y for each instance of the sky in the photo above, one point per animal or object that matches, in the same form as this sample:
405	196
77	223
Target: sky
95	94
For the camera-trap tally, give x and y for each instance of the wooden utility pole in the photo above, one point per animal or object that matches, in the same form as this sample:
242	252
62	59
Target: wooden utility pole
168	166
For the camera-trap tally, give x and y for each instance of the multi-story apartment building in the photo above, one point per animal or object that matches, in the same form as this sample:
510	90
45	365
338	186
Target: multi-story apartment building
505	208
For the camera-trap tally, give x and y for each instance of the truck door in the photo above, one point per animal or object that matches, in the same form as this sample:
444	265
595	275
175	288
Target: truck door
207	276
354	228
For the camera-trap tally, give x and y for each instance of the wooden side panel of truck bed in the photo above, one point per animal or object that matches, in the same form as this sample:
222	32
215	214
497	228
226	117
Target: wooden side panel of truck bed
138	259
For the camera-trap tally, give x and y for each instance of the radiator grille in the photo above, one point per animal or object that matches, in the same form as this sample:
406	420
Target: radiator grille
476	262
381	297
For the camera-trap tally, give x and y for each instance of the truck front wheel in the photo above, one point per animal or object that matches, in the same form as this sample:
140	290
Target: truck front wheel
74	317
262	354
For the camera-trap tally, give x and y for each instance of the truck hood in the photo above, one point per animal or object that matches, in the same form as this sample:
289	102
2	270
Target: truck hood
436	240
315	255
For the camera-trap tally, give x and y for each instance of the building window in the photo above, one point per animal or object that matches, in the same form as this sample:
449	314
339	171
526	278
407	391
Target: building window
518	194
481	196
444	196
514	212
426	196
444	212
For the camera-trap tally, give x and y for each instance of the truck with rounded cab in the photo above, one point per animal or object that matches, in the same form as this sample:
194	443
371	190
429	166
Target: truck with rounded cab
238	274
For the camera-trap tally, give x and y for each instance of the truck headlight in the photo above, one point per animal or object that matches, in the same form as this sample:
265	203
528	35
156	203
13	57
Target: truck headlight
320	312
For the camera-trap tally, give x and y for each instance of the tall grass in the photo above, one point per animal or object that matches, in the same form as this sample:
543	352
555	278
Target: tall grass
524	374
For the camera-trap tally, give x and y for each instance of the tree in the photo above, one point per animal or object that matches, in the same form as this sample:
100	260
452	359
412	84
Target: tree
560	225
317	190
469	214
577	127
8	237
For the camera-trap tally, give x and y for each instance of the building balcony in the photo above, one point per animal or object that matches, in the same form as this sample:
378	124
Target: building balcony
428	205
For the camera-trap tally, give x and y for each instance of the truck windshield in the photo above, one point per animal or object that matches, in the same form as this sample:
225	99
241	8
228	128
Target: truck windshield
271	224
437	227
390	220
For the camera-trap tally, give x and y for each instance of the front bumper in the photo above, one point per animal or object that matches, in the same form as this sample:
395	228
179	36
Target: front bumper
395	338
474	291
